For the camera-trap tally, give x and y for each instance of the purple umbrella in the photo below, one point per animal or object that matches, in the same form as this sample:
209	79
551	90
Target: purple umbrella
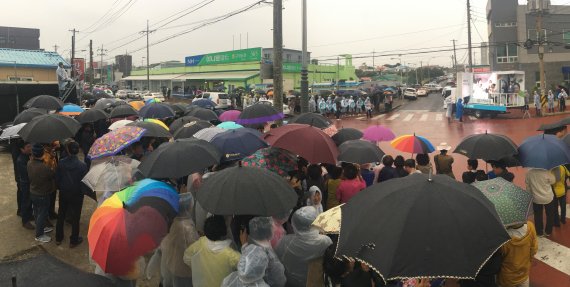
378	133
230	116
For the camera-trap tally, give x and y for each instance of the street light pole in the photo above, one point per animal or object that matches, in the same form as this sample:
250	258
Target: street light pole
278	55
304	72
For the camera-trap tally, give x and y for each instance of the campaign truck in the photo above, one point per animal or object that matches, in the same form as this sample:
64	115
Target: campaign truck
491	93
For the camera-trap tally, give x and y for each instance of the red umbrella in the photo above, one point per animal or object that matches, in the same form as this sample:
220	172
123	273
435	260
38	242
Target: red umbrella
309	142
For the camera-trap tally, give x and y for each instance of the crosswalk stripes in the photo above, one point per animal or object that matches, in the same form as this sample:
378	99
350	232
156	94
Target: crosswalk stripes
424	117
439	117
472	118
393	117
408	117
378	117
553	254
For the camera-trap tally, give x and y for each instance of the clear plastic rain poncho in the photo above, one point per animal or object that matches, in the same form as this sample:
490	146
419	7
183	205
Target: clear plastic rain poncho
260	234
278	230
250	270
296	250
182	234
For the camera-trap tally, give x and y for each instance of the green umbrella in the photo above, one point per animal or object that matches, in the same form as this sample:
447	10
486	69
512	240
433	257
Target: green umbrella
511	202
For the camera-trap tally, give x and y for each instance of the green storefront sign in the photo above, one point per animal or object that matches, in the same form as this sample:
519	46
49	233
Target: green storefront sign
292	67
238	56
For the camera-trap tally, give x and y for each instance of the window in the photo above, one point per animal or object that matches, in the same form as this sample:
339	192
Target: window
566	36
507	53
299	58
505	24
533	35
266	56
288	57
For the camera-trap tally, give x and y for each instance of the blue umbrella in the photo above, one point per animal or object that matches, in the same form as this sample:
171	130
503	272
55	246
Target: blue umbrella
156	111
204	103
71	110
543	151
239	143
229	126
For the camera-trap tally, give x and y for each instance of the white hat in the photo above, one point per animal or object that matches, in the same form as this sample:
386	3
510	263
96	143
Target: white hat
443	146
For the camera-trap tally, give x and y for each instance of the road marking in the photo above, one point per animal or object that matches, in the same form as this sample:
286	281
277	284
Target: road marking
553	254
361	118
472	118
378	117
408	117
439	117
423	118
393	117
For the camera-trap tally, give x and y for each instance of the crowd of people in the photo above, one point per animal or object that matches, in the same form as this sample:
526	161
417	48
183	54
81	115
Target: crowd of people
204	249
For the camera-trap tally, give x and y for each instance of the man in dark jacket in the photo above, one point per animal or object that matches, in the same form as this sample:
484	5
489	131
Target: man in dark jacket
24	184
70	172
86	139
41	188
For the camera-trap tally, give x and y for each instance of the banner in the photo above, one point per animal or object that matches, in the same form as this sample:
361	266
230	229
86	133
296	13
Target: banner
79	67
109	74
237	56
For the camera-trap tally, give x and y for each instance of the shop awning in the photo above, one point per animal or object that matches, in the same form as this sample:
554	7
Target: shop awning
164	77
222	76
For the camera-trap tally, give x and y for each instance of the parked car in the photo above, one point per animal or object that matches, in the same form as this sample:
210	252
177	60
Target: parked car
433	88
153	95
134	95
422	92
410	94
222	100
121	94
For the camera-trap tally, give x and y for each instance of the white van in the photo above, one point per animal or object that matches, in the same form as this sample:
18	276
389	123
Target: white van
222	100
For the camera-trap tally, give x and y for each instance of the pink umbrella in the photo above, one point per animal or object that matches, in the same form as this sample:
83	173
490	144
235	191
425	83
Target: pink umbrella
230	116
378	133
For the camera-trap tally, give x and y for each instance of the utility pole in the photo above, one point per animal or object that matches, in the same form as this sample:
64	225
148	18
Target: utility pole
91	74
539	9
147	32
454	56
278	55
73	52
55	47
101	53
373	58
421	72
304	72
469	36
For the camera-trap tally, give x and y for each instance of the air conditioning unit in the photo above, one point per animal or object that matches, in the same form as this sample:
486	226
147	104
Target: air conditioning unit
538	5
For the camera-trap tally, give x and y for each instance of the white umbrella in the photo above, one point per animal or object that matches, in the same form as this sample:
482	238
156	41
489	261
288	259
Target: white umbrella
12	132
208	134
119	124
110	175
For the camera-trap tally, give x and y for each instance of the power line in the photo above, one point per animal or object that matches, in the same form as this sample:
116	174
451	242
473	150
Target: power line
200	5
104	15
111	19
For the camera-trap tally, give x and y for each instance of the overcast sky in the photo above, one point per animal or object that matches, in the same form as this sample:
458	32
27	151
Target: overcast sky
356	27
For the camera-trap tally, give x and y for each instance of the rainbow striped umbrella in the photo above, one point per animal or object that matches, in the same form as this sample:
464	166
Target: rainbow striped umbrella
115	141
412	144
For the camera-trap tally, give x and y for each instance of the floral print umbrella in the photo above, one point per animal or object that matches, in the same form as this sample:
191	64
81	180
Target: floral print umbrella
511	202
115	141
274	159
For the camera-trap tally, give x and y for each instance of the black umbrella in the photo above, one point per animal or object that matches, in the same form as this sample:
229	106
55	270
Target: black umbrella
178	108
118	103
259	113
566	139
486	146
360	151
180	158
156	111
91	116
551	126
180	122
312	119
246	191
27	115
44	102
189	129
49	128
152	129
346	134
421	226
103	104
123	111
203	114
565	121
509	161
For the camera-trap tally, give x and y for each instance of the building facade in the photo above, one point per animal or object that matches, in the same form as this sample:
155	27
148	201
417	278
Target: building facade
510	25
234	69
19	38
124	64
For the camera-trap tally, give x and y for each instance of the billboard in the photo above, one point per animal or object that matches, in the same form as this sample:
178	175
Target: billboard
79	67
237	56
